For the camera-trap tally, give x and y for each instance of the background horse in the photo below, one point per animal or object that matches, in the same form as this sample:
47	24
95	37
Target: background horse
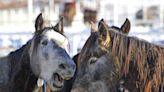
88	78
107	57
44	57
141	62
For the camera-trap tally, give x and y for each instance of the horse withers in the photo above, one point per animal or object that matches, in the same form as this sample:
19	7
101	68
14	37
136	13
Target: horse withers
44	57
95	72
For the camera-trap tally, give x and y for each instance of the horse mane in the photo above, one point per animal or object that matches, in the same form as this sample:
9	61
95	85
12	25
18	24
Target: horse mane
15	56
22	78
148	59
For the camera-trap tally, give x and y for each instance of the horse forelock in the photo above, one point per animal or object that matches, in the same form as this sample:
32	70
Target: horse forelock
59	37
148	58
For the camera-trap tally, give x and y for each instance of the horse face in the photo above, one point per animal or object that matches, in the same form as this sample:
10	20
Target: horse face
91	67
49	59
95	76
96	71
103	36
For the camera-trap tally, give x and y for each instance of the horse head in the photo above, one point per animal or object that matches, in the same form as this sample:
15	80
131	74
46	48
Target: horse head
96	71
49	59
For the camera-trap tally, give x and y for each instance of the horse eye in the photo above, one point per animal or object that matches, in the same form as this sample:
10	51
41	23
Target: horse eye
45	42
92	60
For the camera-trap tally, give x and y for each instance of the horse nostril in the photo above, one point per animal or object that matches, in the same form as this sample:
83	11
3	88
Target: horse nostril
62	66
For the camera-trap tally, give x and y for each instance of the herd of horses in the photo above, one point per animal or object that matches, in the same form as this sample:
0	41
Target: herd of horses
110	61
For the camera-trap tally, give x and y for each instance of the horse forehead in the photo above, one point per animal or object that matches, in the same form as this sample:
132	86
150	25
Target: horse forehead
87	49
88	45
57	37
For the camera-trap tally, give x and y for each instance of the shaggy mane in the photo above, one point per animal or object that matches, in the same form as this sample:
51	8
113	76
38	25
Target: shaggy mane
148	59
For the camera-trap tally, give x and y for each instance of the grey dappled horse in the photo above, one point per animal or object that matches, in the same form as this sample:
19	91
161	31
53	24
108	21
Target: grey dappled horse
43	58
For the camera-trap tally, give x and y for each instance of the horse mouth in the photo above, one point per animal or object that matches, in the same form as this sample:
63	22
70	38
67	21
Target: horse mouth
59	81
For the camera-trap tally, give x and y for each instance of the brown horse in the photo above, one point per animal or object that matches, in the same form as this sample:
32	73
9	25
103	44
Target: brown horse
109	56
43	58
88	82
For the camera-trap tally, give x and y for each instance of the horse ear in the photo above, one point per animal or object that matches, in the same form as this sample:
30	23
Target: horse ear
104	34
101	21
126	26
39	23
59	26
102	30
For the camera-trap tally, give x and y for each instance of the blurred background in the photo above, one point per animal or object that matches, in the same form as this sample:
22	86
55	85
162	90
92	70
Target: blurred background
17	19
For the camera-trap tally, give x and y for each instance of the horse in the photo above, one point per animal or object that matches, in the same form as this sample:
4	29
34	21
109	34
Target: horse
42	60
84	81
111	61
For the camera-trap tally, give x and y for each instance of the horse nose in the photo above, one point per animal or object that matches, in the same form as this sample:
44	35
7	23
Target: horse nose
73	66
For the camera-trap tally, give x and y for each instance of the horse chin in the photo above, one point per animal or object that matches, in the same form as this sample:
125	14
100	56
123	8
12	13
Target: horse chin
56	83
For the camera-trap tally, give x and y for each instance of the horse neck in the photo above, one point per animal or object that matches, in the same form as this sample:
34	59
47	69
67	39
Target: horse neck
16	58
21	73
130	50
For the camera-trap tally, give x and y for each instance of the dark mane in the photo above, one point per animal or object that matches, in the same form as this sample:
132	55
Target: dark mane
115	28
20	70
14	56
148	59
